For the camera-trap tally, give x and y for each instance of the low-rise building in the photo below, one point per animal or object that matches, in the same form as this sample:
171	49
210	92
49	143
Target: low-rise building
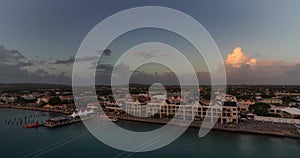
271	100
222	114
43	99
226	98
294	103
275	110
28	96
9	99
244	107
290	112
66	97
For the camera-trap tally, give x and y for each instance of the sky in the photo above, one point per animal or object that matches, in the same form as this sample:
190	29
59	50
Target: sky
258	40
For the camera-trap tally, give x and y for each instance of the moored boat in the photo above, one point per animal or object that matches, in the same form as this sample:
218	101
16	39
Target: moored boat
32	125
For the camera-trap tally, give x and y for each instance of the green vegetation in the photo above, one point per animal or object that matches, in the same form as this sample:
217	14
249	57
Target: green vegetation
287	99
21	101
261	109
54	101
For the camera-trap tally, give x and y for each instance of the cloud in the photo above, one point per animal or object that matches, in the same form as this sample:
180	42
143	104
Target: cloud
13	69
67	61
71	60
104	73
12	57
242	69
147	54
237	58
105	52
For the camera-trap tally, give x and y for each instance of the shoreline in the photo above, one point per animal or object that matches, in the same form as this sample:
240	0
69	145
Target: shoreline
34	109
232	130
217	127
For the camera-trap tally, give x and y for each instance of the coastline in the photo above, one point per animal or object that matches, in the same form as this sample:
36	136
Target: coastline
34	109
217	127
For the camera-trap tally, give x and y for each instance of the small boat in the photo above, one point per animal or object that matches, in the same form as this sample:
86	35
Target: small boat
32	125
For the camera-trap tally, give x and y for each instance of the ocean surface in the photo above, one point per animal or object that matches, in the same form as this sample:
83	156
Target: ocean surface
75	141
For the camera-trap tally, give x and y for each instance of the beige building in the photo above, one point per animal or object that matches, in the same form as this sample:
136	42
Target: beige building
245	105
226	98
271	101
225	114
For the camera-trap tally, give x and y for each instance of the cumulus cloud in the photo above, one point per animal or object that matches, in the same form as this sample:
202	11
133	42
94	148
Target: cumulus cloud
242	69
237	58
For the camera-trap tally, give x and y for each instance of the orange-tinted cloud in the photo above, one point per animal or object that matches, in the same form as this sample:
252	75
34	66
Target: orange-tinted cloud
237	58
242	69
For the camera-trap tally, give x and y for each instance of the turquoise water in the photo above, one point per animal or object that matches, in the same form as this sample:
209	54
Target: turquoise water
75	141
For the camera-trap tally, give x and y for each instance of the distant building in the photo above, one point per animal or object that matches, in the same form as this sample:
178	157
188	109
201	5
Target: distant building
275	110
226	98
158	98
28	96
66	97
291	113
287	94
271	100
244	105
294	103
44	99
9	99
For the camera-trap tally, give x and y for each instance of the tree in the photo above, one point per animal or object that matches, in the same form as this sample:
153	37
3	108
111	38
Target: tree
287	99
21	101
54	101
260	109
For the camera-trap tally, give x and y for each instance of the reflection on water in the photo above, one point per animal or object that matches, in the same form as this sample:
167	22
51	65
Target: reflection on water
75	141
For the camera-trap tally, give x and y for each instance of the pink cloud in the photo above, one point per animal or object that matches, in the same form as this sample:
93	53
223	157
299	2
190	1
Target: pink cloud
242	69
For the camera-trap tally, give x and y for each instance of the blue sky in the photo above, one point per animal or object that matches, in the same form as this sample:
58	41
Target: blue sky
54	29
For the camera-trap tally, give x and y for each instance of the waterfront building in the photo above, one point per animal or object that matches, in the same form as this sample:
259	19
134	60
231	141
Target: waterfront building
135	108
226	114
230	113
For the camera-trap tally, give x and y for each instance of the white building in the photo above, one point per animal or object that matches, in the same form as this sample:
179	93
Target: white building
225	114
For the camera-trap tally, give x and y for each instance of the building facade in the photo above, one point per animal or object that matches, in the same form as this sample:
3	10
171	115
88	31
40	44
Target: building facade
197	112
